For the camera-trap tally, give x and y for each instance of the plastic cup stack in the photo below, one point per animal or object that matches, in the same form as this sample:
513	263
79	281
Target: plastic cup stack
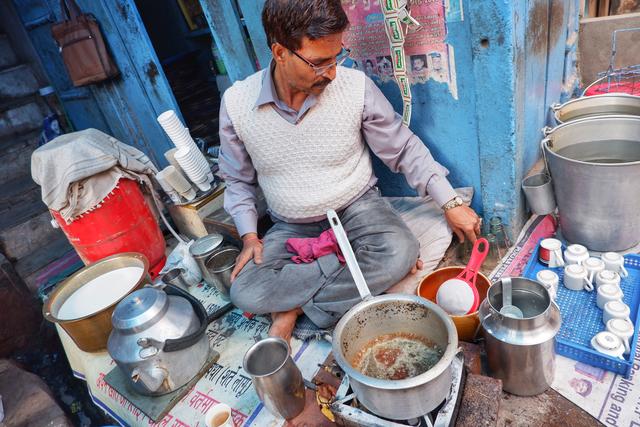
171	192
182	139
189	163
170	156
175	179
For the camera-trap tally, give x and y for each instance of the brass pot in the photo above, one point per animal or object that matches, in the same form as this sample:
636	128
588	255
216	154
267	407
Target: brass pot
90	333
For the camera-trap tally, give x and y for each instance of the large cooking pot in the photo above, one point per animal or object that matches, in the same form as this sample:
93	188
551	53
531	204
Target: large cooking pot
595	165
392	314
597	105
90	332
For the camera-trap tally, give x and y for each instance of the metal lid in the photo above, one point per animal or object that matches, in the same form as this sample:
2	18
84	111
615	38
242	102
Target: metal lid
205	245
138	308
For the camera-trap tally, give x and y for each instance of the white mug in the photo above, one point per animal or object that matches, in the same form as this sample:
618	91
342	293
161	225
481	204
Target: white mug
615	310
576	278
623	330
551	253
219	416
593	266
607	343
549	280
608	293
575	254
614	262
607	277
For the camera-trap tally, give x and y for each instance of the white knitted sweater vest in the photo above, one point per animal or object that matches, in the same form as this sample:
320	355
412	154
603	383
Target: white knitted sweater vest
318	164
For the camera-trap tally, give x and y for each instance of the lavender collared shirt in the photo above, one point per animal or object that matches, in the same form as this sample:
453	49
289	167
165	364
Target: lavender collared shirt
395	144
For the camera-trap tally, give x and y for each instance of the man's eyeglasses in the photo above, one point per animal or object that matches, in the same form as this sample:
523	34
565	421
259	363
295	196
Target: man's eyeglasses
321	69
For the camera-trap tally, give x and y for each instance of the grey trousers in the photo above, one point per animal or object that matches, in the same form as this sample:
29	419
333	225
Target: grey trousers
383	244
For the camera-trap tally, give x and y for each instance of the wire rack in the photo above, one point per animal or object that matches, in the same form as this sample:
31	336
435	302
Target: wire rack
623	79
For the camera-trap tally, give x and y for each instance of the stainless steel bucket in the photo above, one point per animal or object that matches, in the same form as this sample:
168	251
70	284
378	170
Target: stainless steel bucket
597	105
595	166
521	352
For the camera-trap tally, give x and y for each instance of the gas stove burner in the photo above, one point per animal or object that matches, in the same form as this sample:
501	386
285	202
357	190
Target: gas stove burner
350	413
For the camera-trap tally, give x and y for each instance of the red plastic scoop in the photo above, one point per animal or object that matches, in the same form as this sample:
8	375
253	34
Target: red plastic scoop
459	296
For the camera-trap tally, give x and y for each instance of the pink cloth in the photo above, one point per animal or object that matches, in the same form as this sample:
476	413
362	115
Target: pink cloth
311	248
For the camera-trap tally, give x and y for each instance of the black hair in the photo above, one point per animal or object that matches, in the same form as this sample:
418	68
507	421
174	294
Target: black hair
288	21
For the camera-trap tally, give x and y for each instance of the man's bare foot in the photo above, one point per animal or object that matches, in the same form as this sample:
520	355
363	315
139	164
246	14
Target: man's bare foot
283	323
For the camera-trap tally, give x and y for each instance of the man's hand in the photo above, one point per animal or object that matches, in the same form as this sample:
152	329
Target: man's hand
251	250
419	265
464	222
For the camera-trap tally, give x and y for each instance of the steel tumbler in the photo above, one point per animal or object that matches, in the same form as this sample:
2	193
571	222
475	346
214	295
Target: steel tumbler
275	376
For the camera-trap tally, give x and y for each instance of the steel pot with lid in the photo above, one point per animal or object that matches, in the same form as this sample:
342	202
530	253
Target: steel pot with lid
521	352
386	315
158	339
597	105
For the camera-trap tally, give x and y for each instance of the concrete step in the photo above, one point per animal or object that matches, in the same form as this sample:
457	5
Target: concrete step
19	195
15	156
21	118
24	238
18	81
41	257
7	55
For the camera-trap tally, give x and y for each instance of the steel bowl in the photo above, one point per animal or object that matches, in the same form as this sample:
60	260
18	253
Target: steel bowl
388	314
90	333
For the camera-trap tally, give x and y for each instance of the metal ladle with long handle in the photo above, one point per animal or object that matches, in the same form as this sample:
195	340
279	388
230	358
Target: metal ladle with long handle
349	256
508	309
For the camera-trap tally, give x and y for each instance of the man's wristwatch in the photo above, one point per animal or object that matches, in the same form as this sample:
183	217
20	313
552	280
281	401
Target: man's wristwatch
453	203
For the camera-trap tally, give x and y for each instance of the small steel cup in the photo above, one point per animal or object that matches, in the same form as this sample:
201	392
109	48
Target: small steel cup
176	277
275	376
539	192
219	267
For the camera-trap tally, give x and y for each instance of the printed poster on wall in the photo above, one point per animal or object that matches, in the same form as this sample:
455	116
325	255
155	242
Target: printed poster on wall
427	56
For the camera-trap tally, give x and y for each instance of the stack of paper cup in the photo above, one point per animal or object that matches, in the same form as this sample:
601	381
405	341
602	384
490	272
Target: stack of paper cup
171	192
174	128
181	138
175	179
170	156
190	164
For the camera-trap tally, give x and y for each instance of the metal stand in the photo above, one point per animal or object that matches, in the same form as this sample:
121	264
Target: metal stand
350	413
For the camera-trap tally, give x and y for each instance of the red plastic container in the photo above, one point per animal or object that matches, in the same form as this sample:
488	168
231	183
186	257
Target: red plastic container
123	223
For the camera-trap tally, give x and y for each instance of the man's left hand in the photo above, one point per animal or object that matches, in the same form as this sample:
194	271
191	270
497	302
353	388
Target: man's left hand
464	222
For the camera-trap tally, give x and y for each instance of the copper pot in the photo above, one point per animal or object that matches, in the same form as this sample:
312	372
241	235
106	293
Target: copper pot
90	333
465	325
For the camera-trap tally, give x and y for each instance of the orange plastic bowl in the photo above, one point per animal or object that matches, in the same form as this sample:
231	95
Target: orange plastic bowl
428	288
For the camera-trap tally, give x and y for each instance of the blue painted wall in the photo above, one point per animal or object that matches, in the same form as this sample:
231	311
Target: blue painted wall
447	126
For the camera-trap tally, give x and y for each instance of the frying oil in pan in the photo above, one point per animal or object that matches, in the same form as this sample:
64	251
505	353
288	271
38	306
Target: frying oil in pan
397	356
